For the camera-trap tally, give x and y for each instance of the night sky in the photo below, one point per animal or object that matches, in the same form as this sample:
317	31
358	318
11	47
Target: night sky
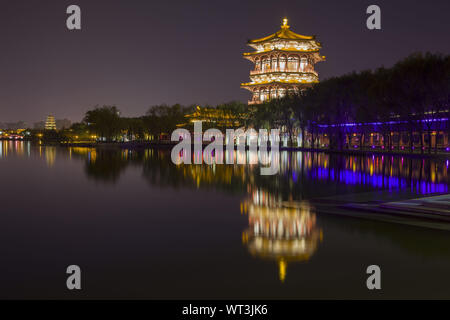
138	53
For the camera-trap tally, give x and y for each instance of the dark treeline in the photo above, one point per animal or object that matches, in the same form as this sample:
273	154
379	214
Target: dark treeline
105	123
410	98
409	101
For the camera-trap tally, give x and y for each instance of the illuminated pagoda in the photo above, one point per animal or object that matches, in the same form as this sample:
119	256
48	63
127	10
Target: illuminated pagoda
284	63
278	231
50	123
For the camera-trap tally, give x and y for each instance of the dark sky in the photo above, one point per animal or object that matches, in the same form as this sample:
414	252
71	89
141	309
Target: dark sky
138	53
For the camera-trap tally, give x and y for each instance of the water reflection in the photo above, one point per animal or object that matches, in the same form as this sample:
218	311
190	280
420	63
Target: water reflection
159	170
103	166
279	222
297	169
280	233
50	155
13	148
421	176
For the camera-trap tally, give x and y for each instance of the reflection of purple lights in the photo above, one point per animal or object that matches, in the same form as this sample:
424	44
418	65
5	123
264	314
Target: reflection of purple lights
294	176
379	181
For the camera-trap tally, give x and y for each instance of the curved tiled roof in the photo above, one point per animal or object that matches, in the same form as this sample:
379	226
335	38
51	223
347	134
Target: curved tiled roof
283	33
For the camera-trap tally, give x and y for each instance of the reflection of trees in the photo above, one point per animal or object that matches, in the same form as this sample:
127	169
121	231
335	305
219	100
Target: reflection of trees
279	233
103	165
107	167
159	170
298	178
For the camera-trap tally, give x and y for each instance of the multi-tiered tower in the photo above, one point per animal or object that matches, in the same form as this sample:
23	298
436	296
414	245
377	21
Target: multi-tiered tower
50	123
284	63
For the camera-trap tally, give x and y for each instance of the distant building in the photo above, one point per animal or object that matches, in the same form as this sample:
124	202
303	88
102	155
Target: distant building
214	116
63	124
284	63
60	124
50	123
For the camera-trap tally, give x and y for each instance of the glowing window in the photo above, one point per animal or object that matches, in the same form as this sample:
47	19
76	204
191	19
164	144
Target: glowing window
303	63
293	63
282	63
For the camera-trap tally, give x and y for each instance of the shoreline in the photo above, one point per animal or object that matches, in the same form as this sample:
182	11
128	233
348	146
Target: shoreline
169	144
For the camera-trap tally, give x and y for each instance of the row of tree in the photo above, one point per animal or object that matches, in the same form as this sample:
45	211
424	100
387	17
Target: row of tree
159	122
410	100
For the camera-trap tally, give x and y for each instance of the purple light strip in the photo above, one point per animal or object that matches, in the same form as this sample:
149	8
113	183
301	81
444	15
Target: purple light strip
376	123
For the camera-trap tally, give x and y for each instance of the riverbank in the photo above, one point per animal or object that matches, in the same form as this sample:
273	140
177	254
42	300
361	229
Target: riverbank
169	144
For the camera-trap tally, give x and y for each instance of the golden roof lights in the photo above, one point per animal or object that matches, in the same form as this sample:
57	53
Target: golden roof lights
284	63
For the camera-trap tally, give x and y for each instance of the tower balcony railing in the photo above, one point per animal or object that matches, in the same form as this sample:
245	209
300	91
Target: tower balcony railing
269	70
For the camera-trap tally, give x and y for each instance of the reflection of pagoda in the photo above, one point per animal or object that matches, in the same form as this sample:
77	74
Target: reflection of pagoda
50	155
284	63
279	233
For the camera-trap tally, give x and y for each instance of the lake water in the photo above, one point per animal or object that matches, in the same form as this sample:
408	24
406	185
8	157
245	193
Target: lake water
142	227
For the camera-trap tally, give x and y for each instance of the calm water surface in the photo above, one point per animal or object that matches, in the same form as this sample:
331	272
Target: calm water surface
141	227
